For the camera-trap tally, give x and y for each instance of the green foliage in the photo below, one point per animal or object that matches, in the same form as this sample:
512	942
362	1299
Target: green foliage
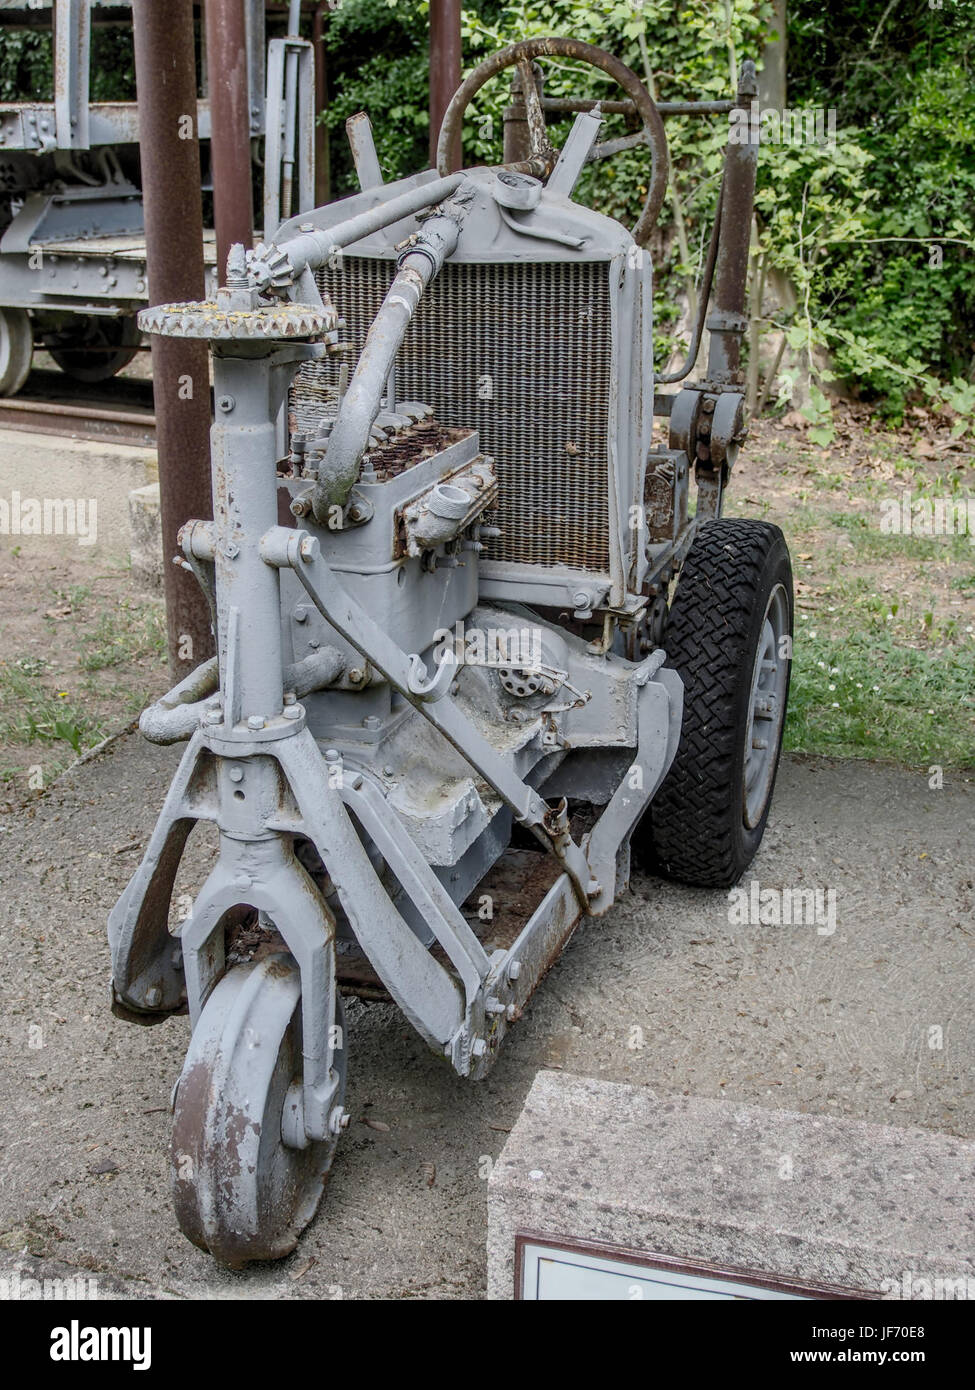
873	230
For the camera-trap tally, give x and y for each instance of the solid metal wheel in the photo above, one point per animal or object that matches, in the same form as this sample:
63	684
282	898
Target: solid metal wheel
97	348
16	349
239	1190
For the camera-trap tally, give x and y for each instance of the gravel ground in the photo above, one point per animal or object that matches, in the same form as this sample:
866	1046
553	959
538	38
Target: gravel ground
664	992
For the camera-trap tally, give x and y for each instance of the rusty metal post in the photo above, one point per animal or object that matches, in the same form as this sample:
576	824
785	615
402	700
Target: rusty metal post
445	62
230	148
165	66
727	321
323	182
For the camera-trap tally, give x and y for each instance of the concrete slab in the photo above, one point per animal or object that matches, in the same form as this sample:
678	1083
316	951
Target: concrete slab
78	488
827	1200
663	993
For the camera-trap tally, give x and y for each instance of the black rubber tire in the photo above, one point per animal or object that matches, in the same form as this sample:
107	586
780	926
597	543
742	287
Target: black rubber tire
695	829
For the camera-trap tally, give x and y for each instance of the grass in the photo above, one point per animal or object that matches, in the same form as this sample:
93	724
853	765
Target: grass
98	682
884	665
861	691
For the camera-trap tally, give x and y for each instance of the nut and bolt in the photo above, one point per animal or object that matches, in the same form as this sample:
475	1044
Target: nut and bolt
300	506
226	404
292	711
255	721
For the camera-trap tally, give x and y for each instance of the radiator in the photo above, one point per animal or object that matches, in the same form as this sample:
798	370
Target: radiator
520	352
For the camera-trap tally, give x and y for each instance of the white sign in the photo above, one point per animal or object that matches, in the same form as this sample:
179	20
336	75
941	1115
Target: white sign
550	1271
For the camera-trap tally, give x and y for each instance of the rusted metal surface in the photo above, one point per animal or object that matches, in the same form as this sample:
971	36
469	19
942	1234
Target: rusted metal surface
445	68
230	148
411	446
323	181
727	321
165	67
516	886
50	403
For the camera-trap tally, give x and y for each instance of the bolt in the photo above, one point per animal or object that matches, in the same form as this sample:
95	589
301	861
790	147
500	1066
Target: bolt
301	615
309	548
356	676
292	711
371	722
300	507
226	404
305	227
332	755
154	997
255	721
232	551
338	1120
514	969
236	774
213	716
478	1047
289	697
388	770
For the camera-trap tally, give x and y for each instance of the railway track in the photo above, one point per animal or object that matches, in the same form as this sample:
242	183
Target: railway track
118	412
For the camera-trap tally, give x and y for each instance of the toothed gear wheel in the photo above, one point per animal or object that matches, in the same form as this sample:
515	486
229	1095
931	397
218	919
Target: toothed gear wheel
212	321
269	269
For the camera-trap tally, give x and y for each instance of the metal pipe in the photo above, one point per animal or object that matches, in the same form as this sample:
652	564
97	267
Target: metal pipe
445	65
290	109
230	150
628	108
323	180
727	321
177	714
350	433
309	250
165	69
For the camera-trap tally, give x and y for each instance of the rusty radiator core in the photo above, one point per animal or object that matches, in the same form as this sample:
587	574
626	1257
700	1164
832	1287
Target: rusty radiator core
520	352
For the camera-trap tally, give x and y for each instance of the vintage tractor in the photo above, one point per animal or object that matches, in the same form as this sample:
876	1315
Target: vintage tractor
450	694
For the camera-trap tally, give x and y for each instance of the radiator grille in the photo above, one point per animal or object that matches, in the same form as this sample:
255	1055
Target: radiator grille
522	353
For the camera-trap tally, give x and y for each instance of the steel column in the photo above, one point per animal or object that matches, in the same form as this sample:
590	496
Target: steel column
165	68
727	321
445	62
230	151
323	182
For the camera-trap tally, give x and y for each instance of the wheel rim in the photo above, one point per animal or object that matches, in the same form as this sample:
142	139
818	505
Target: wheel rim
766	707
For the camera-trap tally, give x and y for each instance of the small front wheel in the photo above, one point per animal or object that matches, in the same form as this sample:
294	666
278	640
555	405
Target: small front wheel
729	637
239	1189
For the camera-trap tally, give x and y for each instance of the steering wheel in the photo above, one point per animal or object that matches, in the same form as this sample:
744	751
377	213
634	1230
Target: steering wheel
543	156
